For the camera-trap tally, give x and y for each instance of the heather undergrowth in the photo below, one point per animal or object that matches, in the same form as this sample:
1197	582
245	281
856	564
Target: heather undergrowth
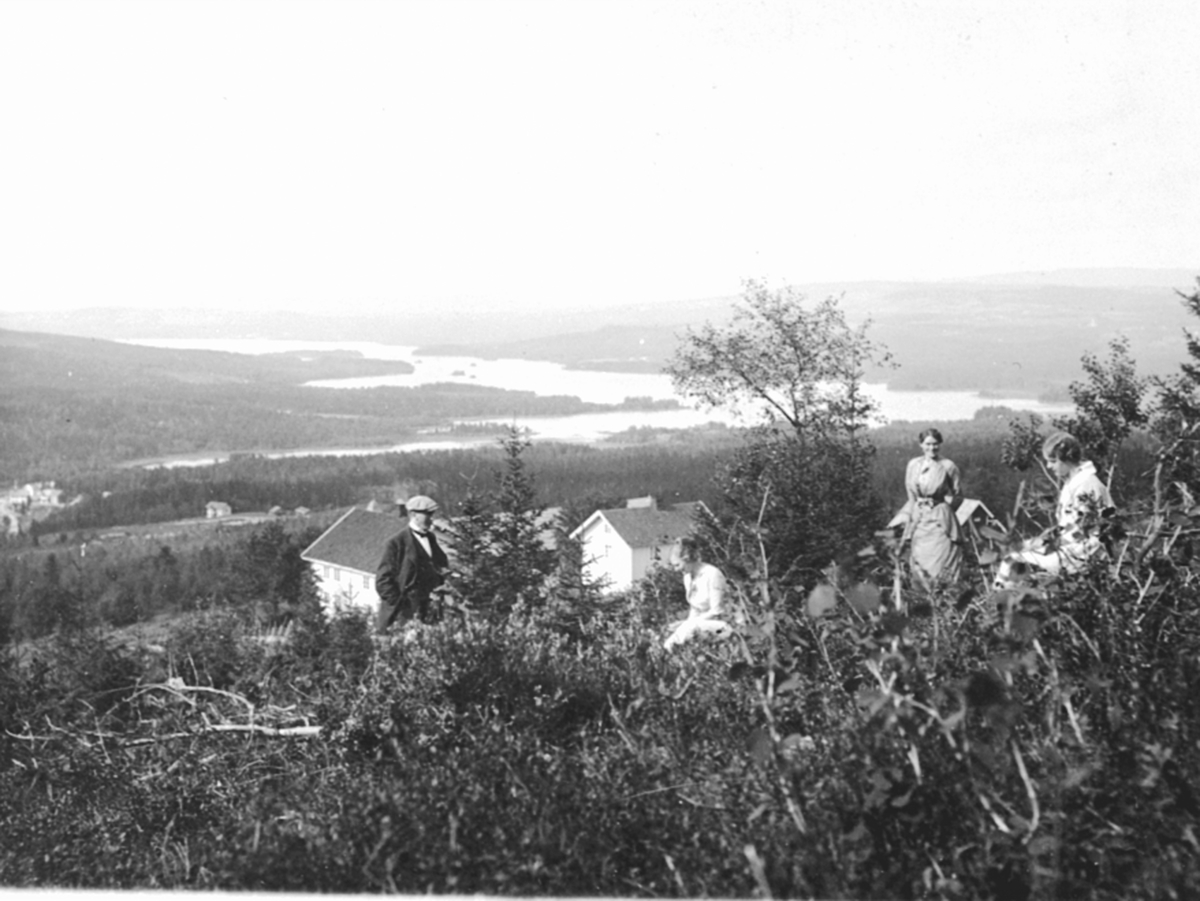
1032	743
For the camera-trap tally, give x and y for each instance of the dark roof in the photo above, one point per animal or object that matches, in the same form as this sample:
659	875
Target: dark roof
645	527
355	541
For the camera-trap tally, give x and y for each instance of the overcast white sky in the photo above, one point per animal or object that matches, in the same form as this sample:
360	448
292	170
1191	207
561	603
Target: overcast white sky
337	155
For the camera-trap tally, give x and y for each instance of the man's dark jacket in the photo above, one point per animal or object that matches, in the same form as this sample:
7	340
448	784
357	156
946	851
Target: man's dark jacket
406	577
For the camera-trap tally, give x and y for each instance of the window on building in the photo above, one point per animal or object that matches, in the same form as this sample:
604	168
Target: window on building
367	582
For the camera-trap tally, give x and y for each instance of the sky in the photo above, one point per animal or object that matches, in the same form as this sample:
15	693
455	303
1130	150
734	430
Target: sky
338	156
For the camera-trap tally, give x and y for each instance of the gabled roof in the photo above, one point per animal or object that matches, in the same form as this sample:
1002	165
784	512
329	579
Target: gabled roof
355	541
970	508
645	526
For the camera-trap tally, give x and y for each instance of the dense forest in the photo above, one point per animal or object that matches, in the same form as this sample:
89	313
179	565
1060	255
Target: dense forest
672	465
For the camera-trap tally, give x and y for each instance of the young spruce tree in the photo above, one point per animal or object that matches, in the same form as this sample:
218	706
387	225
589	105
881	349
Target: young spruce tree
501	557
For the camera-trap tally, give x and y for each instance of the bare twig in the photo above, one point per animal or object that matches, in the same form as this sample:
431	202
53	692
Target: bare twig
178	688
658	791
695	803
679	695
675	872
1035	810
759	868
621	730
1082	634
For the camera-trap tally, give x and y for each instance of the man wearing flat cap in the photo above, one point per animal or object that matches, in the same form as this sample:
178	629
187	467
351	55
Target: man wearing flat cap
411	568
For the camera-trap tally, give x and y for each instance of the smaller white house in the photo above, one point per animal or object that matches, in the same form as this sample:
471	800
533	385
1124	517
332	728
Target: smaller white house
620	545
217	510
347	554
972	516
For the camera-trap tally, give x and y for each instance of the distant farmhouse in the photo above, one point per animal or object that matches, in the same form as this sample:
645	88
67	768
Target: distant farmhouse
620	545
20	505
217	509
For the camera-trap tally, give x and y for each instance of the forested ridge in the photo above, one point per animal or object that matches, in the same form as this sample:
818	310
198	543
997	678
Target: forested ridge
863	733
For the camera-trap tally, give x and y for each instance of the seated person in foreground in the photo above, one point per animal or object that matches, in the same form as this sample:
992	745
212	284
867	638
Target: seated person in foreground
1082	500
704	586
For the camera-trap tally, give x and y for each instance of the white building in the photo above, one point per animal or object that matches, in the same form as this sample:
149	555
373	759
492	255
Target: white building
347	555
620	545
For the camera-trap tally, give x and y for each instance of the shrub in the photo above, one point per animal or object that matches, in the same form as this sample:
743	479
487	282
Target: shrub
210	648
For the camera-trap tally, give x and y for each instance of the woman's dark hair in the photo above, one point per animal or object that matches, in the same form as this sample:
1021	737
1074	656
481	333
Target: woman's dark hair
689	548
1064	447
930	433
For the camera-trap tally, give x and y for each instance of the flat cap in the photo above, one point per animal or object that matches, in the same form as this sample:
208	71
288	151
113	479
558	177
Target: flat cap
421	504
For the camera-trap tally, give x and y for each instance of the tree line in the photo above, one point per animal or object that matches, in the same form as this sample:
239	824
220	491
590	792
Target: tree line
675	466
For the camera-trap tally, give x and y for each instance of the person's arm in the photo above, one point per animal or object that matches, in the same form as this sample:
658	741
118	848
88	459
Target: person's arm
954	477
910	480
440	561
387	575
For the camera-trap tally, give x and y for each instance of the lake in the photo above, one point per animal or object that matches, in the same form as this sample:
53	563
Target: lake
596	387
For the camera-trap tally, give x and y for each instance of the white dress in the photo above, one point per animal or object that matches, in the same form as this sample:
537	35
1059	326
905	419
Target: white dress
706	603
1082	496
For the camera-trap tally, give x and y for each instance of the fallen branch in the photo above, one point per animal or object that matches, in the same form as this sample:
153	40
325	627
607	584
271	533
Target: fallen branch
177	687
270	731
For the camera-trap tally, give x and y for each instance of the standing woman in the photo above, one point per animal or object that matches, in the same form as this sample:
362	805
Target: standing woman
934	490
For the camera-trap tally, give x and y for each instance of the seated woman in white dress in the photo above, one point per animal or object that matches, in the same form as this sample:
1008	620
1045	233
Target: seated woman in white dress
704	586
1081	501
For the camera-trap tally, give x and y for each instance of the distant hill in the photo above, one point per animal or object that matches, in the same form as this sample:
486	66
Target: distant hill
93	364
1023	338
1021	333
614	348
981	336
1171	279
